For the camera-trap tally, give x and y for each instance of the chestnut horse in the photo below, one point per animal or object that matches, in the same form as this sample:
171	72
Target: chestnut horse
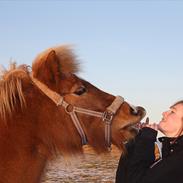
49	110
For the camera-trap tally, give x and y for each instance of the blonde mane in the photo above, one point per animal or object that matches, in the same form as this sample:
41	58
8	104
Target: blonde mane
11	80
11	89
67	59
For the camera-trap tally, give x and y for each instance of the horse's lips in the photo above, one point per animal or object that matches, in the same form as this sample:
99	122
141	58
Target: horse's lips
135	125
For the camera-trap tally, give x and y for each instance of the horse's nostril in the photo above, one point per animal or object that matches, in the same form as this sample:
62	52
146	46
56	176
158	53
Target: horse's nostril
134	111
141	111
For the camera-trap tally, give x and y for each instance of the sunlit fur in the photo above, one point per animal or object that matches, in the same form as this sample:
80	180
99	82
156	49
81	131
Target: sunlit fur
11	90
67	59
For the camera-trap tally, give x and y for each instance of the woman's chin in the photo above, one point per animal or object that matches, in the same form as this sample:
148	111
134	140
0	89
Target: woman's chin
160	127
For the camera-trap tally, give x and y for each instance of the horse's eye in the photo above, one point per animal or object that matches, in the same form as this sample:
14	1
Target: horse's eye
80	90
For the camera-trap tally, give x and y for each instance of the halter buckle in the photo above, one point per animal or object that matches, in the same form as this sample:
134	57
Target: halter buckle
107	116
69	108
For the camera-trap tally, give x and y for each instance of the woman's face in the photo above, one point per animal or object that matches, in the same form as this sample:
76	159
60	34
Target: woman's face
171	123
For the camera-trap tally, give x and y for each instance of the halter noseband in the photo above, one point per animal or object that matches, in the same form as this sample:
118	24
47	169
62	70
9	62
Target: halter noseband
106	116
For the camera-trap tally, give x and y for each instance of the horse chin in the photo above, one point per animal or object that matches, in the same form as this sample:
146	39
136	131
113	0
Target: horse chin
129	131
123	136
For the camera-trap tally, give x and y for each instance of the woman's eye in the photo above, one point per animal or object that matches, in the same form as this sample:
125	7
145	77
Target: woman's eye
171	111
80	90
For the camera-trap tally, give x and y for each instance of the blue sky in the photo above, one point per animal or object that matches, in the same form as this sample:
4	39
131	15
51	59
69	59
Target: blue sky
128	48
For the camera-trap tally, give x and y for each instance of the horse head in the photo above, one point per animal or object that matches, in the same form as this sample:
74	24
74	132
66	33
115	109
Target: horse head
79	112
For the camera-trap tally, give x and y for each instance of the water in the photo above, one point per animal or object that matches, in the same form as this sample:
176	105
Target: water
88	169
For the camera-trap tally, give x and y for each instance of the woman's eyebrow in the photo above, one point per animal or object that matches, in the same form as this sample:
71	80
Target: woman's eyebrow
173	108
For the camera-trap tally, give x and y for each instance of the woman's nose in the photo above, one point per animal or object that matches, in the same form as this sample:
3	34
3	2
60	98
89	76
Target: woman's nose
165	113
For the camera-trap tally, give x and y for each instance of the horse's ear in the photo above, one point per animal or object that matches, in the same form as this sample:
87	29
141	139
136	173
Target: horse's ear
53	66
49	72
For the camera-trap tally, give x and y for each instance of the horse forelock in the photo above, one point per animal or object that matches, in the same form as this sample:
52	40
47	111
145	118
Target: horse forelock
11	89
67	59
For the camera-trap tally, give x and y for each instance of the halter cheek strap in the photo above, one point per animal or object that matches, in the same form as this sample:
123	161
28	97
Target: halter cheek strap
106	116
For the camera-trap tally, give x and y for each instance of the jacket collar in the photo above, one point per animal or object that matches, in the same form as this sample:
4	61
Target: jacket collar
171	145
171	140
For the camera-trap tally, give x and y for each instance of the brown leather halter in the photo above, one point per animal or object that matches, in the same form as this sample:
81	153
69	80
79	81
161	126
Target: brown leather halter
106	116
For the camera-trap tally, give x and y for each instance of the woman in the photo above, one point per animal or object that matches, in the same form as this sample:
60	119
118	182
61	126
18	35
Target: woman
140	165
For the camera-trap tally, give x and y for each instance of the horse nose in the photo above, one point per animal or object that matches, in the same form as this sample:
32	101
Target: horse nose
141	111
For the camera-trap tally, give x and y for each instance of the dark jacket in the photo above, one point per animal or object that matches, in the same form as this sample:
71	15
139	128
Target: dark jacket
139	165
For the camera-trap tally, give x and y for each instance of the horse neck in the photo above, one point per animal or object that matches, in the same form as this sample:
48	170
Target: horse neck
21	155
17	163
